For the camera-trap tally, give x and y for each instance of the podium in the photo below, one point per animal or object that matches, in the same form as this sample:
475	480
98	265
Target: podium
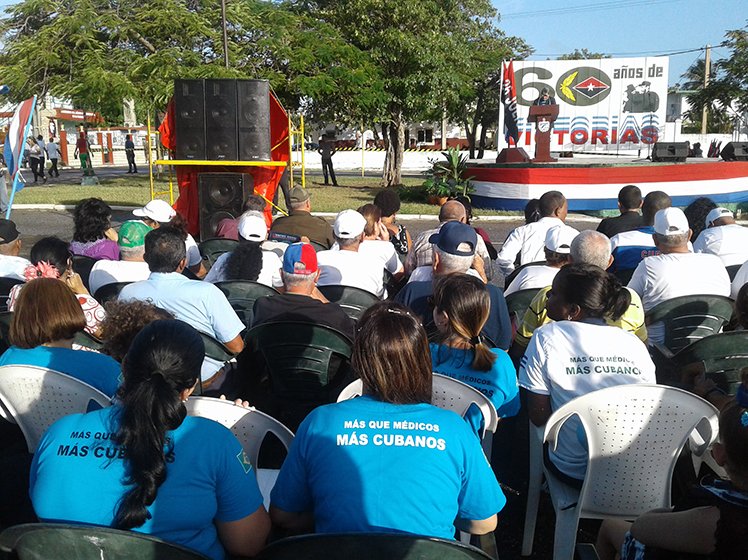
543	117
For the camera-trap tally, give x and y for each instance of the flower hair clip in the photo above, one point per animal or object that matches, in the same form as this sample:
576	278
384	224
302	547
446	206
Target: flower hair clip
41	270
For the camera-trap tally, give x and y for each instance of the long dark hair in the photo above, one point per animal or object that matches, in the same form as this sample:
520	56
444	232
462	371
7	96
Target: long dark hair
91	218
595	291
245	262
163	360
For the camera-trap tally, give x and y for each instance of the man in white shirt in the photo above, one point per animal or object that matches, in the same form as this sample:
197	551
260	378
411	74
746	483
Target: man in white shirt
53	152
723	237
195	302
11	265
346	266
131	267
528	241
557	254
675	271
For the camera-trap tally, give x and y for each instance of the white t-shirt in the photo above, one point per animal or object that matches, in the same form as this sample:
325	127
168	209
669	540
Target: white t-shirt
529	277
350	268
53	151
108	272
729	243
193	252
528	241
568	359
269	274
426	274
13	267
383	251
741	277
663	277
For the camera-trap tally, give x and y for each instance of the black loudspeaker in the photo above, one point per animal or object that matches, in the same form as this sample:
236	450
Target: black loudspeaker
189	101
735	151
254	120
221	195
670	151
220	120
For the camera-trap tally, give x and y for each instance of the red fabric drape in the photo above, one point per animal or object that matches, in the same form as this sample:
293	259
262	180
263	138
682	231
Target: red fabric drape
265	178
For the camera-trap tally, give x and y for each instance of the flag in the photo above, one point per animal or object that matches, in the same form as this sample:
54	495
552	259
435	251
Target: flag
16	138
509	98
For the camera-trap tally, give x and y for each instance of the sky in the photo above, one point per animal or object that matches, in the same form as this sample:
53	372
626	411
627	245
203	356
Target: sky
624	27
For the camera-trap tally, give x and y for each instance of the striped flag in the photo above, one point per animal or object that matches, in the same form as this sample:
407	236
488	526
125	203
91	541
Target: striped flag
14	146
509	98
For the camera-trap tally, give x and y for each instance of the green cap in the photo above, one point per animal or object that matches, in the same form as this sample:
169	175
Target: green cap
132	234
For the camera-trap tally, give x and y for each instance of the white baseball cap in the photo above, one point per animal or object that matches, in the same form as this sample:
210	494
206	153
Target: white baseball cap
671	221
156	210
558	239
349	224
717	213
252	227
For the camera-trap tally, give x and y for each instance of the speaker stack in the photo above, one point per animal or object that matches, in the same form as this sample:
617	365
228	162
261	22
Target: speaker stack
670	151
220	196
735	151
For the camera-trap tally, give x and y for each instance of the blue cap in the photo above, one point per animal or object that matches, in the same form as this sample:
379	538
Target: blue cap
456	238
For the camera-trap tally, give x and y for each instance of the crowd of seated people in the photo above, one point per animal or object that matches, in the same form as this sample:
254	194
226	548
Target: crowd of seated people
352	466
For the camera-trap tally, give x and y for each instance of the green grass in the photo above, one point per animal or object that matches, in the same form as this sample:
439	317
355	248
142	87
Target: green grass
135	191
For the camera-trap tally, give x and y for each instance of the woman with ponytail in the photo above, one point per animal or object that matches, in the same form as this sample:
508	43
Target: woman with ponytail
716	522
145	465
579	353
461	308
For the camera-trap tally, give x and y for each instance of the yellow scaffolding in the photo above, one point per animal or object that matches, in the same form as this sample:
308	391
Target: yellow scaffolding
155	193
296	135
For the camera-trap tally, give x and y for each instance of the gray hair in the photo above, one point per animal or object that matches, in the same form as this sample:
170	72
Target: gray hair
297	205
672	241
297	280
591	247
348	242
449	263
132	253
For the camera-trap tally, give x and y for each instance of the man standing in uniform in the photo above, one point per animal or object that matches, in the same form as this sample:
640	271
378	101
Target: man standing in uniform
130	152
327	150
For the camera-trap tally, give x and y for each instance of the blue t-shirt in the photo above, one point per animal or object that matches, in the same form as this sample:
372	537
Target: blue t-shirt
366	465
499	384
77	476
98	370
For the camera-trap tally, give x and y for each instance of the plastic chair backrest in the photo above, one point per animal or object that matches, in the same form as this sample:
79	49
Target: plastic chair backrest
215	349
518	302
214	247
369	546
242	295
449	394
354	301
37	541
87	340
249	425
689	318
6	284
297	355
634	435
35	397
723	356
732	270
110	291
83	265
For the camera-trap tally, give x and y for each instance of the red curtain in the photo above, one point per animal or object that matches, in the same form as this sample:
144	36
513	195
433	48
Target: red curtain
265	178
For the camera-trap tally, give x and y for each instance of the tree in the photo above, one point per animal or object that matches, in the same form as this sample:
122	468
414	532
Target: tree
582	54
719	120
728	91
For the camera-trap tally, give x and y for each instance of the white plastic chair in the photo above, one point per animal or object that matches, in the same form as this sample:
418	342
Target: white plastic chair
450	394
35	397
250	426
635	434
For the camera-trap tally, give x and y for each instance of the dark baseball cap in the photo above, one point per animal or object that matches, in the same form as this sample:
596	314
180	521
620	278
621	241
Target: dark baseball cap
298	194
456	238
8	231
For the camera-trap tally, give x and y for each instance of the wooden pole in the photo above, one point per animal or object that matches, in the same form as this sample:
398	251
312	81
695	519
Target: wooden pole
707	71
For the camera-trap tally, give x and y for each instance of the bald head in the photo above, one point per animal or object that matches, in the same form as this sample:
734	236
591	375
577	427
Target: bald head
653	203
452	211
591	247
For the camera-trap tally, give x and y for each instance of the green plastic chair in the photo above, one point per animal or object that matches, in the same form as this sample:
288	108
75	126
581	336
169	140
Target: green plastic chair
214	247
42	541
87	340
689	318
304	365
518	302
242	295
354	301
83	265
723	356
369	546
110	291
